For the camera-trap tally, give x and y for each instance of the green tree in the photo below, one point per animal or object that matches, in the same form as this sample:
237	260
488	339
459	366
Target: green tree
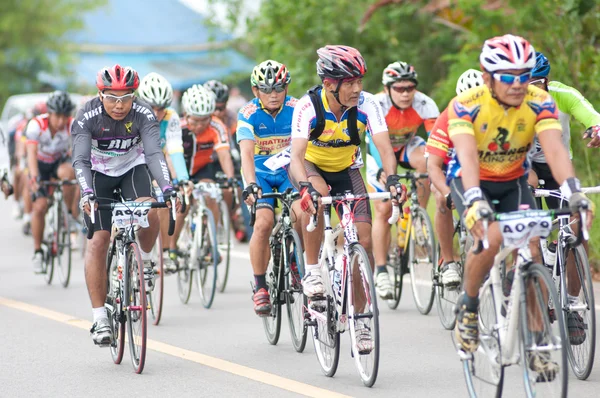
32	39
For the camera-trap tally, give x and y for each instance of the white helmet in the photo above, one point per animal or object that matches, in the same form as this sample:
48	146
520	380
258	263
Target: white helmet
156	90
198	101
469	79
507	52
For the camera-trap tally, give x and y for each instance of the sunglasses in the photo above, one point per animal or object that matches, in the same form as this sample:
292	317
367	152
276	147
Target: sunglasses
113	99
405	89
507	78
536	82
198	120
220	108
279	88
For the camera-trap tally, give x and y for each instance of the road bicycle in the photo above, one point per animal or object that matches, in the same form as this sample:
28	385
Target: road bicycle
127	300
350	300
284	273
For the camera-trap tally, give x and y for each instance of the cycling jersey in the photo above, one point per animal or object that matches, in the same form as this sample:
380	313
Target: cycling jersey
503	136
439	143
332	150
198	148
113	147
271	134
49	148
570	103
170	137
403	123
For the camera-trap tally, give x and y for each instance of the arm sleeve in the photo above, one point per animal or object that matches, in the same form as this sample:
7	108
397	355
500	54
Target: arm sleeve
571	101
460	118
438	141
375	119
245	127
32	132
155	158
546	111
302	118
175	147
82	151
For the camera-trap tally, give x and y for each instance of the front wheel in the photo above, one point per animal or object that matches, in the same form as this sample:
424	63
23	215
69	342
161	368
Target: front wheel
543	351
274	278
398	264
64	248
422	259
114	302
224	244
207	259
295	301
135	301
445	297
184	270
156	295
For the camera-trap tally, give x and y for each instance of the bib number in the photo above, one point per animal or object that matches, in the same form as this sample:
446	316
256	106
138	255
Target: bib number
280	160
131	215
517	231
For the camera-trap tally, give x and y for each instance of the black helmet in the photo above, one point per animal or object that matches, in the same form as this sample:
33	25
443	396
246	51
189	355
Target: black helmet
220	89
60	102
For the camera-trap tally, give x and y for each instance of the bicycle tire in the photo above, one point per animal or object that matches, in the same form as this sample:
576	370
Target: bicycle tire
156	296
184	270
485	377
295	300
206	263
117	325
327	349
581	355
446	297
367	368
421	270
136	309
224	244
552	336
47	245
64	246
396	272
275	284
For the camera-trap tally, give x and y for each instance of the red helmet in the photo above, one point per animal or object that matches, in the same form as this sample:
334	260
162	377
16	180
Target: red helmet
340	62
117	78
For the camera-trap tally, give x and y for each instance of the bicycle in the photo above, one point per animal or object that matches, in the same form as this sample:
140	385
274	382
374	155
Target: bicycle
284	273
224	229
127	300
524	319
350	299
579	310
421	256
56	244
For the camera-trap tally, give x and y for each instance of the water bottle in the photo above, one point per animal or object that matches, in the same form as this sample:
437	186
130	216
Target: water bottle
402	227
550	255
337	285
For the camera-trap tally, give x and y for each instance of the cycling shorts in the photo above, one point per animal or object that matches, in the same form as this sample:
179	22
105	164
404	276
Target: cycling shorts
134	184
48	172
206	173
503	196
543	172
341	181
270	183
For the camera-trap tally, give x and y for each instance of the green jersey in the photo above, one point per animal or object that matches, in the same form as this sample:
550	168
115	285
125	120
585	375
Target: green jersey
570	103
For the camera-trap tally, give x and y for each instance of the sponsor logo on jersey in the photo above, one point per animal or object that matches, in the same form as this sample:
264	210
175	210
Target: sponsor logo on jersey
93	113
248	110
118	144
128	126
143	110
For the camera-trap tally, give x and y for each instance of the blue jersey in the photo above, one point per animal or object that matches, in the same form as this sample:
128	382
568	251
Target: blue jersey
170	137
271	134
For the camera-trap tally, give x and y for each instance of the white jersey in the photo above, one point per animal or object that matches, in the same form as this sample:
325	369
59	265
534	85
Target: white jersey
50	148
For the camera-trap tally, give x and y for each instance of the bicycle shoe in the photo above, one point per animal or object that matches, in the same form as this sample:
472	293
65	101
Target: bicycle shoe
576	327
467	328
541	363
101	333
312	283
262	302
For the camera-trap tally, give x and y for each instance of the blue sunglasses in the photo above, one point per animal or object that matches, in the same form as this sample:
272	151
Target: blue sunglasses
507	78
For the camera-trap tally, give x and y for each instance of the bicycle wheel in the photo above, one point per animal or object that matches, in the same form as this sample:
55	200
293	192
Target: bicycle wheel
295	300
224	244
543	351
484	373
398	263
580	315
274	277
326	337
184	269
135	300
363	316
49	245
447	296
422	259
155	297
113	306
64	248
208	258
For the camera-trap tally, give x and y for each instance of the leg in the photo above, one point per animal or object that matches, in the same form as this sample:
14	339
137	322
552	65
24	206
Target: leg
39	209
179	222
417	160
444	230
66	172
259	258
381	233
95	267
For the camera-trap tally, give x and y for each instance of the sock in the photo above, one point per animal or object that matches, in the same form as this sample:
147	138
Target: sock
381	269
145	256
261	282
165	250
38	251
470	303
99	313
573	299
311	267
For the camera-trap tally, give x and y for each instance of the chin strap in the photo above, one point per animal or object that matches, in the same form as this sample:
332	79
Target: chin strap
336	95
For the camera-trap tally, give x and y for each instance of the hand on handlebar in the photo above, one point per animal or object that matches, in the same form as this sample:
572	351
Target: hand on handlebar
396	188
251	193
309	198
580	205
474	216
172	193
84	202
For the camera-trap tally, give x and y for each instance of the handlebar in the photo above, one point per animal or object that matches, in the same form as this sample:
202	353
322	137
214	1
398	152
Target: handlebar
544	193
58	183
287	197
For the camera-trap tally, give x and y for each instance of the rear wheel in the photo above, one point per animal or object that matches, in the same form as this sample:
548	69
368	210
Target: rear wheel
422	259
137	326
447	296
274	277
50	245
208	258
184	268
295	301
398	264
64	248
224	244
543	342
156	295
113	305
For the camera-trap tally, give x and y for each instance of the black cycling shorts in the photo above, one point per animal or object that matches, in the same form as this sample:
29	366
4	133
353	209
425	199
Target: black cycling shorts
339	182
136	183
48	172
503	196
543	172
206	173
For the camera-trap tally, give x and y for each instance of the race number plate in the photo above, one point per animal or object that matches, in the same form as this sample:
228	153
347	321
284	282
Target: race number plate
125	215
517	228
280	160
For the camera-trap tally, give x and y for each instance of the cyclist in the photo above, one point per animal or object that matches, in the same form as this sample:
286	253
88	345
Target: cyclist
405	109
48	148
492	128
331	160
570	102
264	129
221	92
116	144
158	92
439	151
203	134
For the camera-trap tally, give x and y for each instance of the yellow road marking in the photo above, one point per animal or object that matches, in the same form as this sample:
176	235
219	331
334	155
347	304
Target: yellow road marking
206	360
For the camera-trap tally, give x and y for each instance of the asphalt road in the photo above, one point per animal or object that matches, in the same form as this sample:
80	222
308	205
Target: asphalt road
46	349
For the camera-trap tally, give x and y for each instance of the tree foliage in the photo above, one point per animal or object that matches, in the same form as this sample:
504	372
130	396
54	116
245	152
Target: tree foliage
32	39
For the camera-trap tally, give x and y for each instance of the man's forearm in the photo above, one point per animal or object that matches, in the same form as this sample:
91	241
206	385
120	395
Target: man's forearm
388	160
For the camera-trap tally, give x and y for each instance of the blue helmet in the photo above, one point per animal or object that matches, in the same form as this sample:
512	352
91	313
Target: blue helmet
542	66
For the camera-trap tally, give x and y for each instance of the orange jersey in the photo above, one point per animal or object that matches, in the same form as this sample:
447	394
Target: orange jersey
198	149
439	143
